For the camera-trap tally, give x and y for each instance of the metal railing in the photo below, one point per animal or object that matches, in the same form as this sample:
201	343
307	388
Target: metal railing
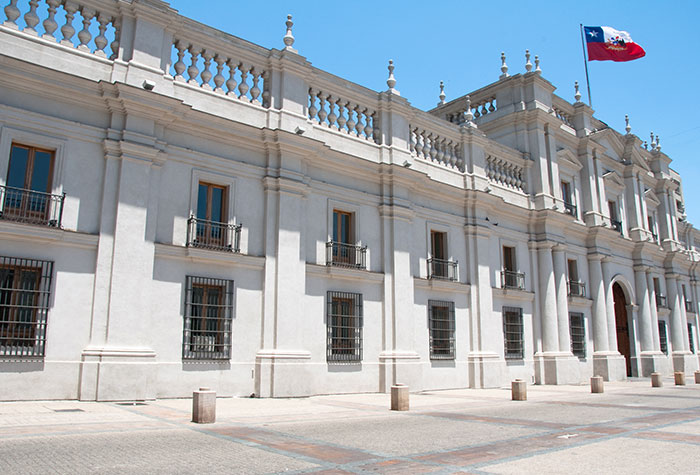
442	269
689	307
576	288
346	255
31	207
512	280
571	209
616	225
212	235
661	301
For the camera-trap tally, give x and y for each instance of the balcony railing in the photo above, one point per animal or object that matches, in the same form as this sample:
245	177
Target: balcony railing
689	307
212	235
442	269
512	280
577	288
570	208
616	225
31	207
660	301
340	254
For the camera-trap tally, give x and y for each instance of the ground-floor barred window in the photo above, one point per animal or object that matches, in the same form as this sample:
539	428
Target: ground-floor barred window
513	333
691	342
577	330
441	316
663	339
344	322
25	291
208	319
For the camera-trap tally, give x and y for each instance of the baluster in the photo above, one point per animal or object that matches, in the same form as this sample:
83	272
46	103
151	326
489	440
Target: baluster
193	71
419	143
342	106
411	139
312	104
101	39
492	108
452	154
12	13
426	145
499	171
84	35
67	30
440	155
243	86
266	89
206	74
50	25
219	79
351	118
332	117
31	18
518	179
116	23
368	126
477	114
255	90
231	81
359	126
322	113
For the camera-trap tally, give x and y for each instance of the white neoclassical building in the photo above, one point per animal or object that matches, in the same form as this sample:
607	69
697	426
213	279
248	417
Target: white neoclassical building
182	208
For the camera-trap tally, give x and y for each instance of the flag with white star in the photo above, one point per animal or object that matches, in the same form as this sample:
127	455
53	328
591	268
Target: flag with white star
608	44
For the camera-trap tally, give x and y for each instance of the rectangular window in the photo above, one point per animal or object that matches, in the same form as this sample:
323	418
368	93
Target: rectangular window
513	333
652	228
691	339
612	209
26	196
441	315
344	322
573	269
342	227
208	319
509	263
577	330
25	291
663	339
438	245
212	229
566	192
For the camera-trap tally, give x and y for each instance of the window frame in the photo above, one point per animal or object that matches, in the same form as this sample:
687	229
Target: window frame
222	337
509	331
346	328
435	333
691	338
663	342
577	332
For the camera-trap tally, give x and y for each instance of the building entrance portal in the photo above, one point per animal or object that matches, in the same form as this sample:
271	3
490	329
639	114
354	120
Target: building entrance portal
623	331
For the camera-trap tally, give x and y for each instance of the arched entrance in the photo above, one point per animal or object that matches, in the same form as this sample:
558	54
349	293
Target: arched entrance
622	325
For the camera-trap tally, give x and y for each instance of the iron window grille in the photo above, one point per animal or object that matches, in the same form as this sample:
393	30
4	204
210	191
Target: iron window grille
25	291
663	338
206	234
208	319
441	316
691	342
513	333
660	301
346	255
577	288
31	207
512	280
442	269
344	324
577	330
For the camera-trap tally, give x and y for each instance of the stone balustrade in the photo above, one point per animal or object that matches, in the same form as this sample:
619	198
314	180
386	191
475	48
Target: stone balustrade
563	111
480	108
97	23
505	173
352	115
442	147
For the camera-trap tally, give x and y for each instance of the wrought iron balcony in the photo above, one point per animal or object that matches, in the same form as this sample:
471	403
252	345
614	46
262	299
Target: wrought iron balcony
512	280
689	307
570	208
654	237
31	207
660	301
340	254
212	235
442	269
576	288
616	225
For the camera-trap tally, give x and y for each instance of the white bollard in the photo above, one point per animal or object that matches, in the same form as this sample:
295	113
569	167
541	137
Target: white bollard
679	376
518	389
656	380
399	397
204	406
597	384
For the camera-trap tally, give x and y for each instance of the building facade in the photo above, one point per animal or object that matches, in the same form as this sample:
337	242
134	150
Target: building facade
182	208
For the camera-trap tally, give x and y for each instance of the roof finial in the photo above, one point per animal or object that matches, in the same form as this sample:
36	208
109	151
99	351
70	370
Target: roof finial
288	37
628	129
391	82
644	145
537	65
442	93
577	95
528	64
504	66
652	144
658	144
468	114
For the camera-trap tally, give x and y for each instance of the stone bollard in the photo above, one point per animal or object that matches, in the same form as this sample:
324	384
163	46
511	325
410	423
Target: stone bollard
679	376
204	406
697	377
597	384
518	389
399	397
656	380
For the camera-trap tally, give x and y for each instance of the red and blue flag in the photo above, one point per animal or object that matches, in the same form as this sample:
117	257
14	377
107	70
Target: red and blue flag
608	44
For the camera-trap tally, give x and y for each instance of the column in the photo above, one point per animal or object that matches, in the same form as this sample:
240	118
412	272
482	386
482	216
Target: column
680	345
645	329
601	342
548	299
684	315
609	306
562	299
654	313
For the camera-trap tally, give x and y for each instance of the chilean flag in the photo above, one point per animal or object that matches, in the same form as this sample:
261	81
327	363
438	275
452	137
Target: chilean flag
608	44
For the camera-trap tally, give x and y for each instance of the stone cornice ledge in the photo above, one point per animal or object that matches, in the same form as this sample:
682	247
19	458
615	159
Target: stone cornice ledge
513	294
344	273
283	355
169	251
440	285
28	232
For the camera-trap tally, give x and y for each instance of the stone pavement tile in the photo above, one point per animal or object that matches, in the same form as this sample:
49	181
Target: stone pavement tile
332	471
670	436
143	452
652	420
49	429
497	420
684	427
618	456
399	467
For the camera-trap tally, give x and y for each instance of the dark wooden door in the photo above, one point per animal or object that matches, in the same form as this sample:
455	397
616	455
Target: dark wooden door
623	332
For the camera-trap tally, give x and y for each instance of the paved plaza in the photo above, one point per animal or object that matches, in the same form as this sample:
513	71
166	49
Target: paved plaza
631	428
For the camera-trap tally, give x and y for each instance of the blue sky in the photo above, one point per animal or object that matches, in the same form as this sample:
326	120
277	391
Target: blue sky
460	43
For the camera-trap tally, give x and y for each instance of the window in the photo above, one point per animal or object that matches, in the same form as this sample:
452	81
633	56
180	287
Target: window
513	332
511	278
25	291
441	316
614	221
439	266
660	298
576	287
577	330
208	319
26	196
342	250
342	227
438	245
691	342
210	229
652	228
567	197
344	321
663	339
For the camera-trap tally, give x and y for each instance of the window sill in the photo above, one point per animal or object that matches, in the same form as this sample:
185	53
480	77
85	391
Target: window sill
344	273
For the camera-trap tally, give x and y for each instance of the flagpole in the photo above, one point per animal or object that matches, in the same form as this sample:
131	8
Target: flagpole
585	64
